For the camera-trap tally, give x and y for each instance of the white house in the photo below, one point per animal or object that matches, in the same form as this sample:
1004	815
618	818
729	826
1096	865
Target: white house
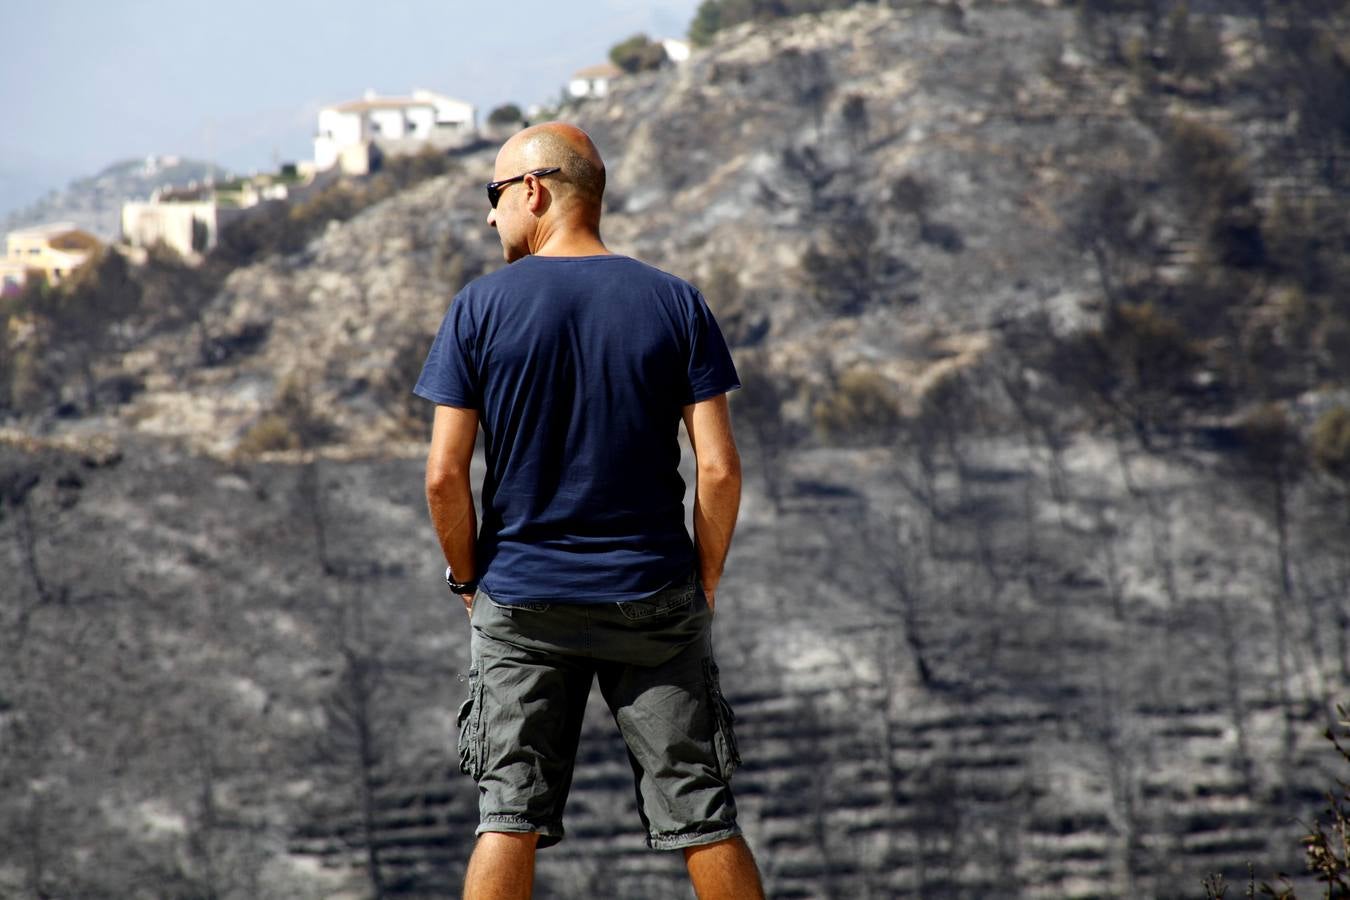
593	81
393	125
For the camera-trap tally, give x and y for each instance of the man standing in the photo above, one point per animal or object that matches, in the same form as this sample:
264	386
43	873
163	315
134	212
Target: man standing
579	365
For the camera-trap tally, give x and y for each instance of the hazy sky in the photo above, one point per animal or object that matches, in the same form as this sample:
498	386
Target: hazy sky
84	83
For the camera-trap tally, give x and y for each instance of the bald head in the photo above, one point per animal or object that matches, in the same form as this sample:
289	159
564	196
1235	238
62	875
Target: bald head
580	184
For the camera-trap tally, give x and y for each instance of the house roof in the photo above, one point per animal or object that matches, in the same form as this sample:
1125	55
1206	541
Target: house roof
601	70
75	240
381	103
48	231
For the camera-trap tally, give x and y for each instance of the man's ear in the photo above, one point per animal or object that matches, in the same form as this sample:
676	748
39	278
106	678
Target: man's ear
538	199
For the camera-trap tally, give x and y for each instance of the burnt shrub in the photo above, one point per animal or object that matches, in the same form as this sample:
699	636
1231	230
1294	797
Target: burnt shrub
1136	369
860	408
1330	443
1216	190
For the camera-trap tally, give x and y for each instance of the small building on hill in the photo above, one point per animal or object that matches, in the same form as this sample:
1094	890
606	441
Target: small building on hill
353	133
190	219
50	251
677	51
188	223
592	81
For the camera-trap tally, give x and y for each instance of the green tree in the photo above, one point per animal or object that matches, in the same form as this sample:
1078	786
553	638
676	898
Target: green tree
638	54
707	22
506	114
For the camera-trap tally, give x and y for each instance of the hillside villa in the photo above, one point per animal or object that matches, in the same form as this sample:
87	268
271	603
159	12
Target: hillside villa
593	82
353	134
51	251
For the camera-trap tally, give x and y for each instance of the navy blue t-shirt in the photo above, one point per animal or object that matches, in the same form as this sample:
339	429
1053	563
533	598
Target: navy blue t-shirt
579	368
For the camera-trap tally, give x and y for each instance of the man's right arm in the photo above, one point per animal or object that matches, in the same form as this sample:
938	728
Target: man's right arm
717	492
449	494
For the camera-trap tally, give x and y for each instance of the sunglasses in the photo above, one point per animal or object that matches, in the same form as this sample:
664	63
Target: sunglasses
494	188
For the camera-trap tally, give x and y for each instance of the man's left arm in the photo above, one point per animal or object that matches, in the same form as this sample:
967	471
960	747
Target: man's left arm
449	493
717	490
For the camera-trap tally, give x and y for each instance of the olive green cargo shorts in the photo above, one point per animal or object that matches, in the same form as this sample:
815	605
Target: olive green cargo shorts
529	679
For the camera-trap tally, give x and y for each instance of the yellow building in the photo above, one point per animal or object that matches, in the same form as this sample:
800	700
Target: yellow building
53	250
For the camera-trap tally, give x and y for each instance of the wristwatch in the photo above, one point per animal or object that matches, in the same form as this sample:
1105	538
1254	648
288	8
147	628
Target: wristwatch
460	587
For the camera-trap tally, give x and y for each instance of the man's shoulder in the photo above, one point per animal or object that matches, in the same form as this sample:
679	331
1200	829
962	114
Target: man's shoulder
658	274
490	281
531	270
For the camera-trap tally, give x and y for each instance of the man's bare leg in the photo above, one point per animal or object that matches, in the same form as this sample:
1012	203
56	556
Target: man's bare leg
502	867
724	871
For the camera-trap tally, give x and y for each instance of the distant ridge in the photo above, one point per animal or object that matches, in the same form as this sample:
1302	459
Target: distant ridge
94	202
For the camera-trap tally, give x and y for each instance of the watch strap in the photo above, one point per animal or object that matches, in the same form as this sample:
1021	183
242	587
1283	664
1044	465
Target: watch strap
460	587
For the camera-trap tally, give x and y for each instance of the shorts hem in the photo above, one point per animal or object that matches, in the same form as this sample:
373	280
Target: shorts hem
549	833
670	841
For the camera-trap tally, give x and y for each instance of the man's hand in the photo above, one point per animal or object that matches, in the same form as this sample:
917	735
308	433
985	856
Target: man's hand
717	491
468	603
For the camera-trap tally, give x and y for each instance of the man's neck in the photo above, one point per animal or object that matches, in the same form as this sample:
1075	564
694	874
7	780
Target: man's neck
568	240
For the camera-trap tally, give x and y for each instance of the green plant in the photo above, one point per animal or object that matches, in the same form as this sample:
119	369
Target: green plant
506	114
638	54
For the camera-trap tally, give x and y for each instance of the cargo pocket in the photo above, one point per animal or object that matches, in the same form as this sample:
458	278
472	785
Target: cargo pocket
470	722
724	732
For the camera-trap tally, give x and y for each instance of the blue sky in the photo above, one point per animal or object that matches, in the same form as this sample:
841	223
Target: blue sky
85	83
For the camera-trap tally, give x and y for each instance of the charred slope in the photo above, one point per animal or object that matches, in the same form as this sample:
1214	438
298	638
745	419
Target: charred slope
993	627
